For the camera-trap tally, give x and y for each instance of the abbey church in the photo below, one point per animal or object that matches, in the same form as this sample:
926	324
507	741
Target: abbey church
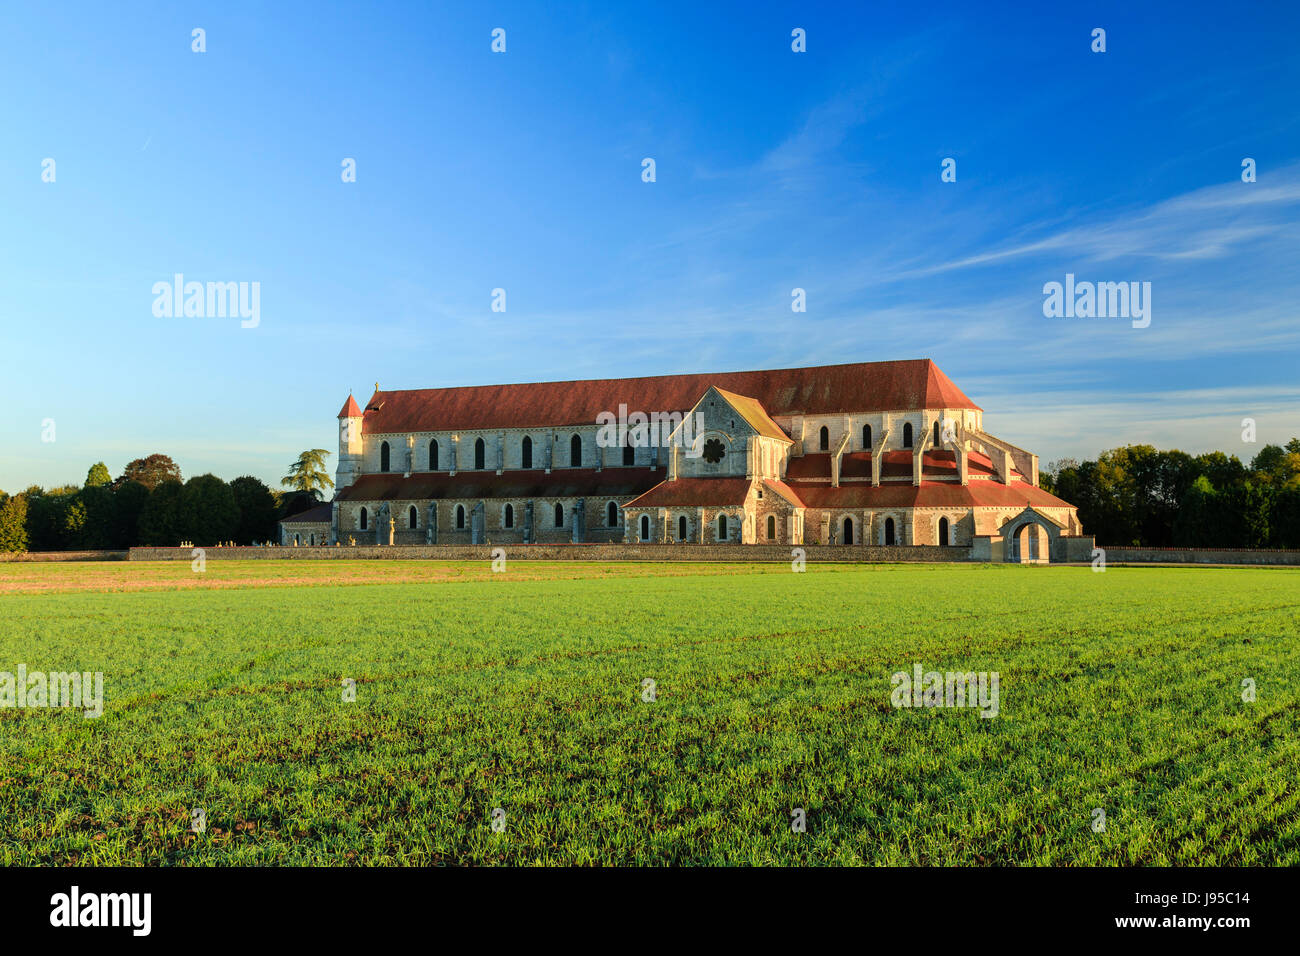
874	453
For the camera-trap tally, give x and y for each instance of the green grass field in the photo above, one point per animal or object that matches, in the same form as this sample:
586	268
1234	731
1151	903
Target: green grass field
523	691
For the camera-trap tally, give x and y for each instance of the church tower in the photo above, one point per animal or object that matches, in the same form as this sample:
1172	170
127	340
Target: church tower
350	446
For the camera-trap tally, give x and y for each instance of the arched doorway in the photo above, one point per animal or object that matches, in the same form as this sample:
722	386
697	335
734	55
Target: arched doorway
943	532
1029	538
890	537
1026	544
848	530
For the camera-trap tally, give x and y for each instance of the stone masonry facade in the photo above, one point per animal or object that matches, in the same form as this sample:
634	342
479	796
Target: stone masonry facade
863	456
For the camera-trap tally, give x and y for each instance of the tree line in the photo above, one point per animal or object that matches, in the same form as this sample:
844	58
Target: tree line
1138	495
1135	495
149	504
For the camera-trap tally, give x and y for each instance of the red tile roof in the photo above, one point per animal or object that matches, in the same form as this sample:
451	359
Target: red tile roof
617	483
931	494
827	389
896	464
350	408
853	464
321	514
714	492
641	487
695	492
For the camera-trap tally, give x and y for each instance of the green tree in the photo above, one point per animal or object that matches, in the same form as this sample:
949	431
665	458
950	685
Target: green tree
1284	528
1277	466
98	475
1201	518
296	502
13	523
1247	506
1161	480
49	525
1106	499
100	506
129	500
257	510
1224	471
151	471
72	531
160	516
308	473
208	512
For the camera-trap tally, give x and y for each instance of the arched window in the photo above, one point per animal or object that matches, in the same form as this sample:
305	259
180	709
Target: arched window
510	516
411	518
313	539
559	515
943	531
575	452
629	456
681	528
722	527
848	530
433	455
611	515
383	456
645	527
825	439
296	540
889	531
866	437
460	517
364	519
907	434
771	527
480	454
936	432
526	453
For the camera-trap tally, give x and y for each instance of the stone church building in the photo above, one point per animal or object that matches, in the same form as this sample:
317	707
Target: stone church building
874	453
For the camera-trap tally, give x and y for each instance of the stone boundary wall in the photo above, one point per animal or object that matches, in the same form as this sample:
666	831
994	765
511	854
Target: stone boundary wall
62	556
652	552
1199	556
571	552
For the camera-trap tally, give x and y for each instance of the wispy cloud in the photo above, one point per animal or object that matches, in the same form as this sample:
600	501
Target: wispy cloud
1081	423
1209	223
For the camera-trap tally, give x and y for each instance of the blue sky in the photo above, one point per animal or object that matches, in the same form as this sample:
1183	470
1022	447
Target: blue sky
775	170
